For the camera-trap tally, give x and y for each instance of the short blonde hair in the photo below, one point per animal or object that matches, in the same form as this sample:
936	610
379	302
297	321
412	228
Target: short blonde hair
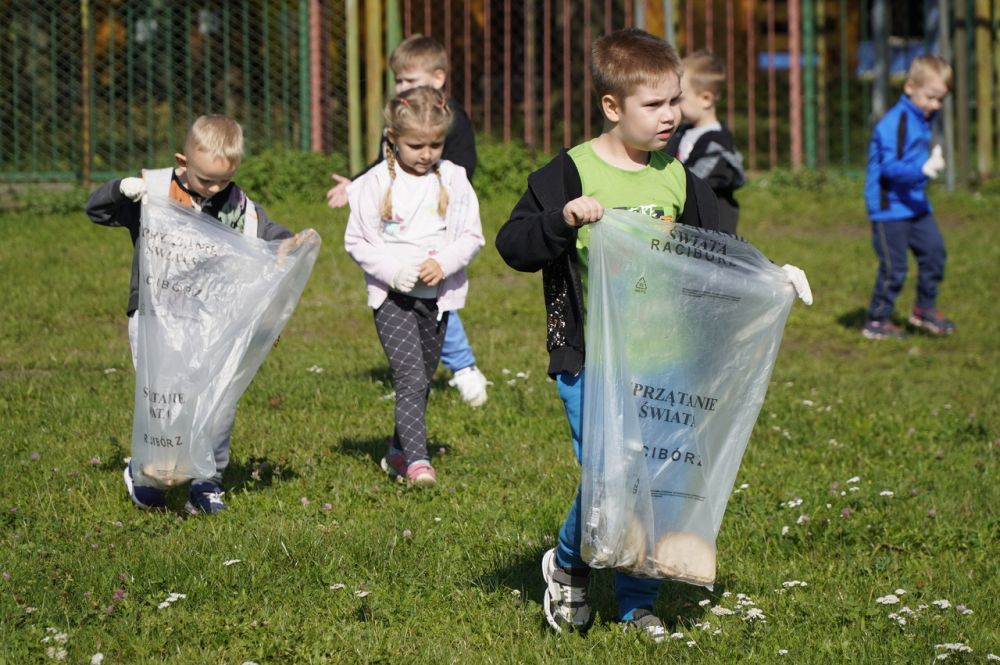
418	51
217	135
705	72
926	66
628	58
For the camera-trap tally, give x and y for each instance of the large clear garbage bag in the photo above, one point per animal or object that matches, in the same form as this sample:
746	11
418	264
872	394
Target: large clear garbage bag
683	326
212	303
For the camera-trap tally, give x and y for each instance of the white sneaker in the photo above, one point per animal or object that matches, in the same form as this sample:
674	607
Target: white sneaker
471	385
565	603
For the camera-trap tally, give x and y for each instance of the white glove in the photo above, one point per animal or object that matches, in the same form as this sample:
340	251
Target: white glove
405	279
799	281
935	163
132	188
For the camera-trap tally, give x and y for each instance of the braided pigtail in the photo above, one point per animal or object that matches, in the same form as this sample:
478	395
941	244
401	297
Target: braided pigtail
442	192
390	160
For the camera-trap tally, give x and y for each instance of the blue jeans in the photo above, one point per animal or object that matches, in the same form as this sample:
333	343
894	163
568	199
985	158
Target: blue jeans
632	593
456	353
892	241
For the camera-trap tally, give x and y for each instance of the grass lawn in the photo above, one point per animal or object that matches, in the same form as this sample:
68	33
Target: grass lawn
872	471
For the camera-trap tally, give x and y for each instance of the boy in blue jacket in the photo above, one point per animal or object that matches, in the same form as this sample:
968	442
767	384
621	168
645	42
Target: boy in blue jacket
900	163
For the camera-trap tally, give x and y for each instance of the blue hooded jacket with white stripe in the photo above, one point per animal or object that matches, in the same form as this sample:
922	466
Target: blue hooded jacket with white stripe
895	186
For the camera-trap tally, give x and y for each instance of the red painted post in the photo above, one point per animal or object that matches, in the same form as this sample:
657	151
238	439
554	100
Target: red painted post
628	13
608	23
447	27
427	17
467	49
586	71
407	27
772	90
567	92
730	65
795	80
487	66
529	73
316	76
506	71
689	26
547	76
709	27
751	88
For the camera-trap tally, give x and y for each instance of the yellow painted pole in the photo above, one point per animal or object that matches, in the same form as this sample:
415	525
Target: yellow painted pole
353	87
373	76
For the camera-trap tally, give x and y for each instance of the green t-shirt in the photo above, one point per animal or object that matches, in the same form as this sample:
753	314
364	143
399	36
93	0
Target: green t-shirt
658	190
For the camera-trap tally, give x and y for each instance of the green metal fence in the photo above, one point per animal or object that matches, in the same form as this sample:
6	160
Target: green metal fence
95	87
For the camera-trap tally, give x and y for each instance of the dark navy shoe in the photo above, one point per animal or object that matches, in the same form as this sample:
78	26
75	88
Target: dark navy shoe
147	498
882	330
205	497
931	320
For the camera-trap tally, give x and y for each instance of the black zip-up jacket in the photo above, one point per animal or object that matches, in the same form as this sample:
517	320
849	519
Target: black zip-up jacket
536	237
715	159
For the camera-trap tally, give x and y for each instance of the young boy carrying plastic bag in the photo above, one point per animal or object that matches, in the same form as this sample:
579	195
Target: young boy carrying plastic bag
212	303
683	328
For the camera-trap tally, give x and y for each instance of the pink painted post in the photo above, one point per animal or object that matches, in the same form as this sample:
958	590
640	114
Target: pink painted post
407	27
316	76
547	75
529	74
567	92
628	13
467	50
689	26
608	24
427	17
709	27
506	71
586	71
730	65
795	80
772	90
487	78
751	89
447	27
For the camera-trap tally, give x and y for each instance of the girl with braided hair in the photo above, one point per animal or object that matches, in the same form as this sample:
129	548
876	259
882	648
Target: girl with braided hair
413	228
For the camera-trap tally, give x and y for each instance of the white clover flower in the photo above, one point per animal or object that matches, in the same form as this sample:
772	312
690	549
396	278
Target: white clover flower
954	646
807	402
803	519
962	609
906	610
785	530
782	652
900	592
853	480
360	593
942	603
315	369
886	493
338	586
231	562
942	656
704	602
992	656
793	583
691	643
677	636
97	658
891	599
720	611
794	503
854	488
56	654
898	619
755	614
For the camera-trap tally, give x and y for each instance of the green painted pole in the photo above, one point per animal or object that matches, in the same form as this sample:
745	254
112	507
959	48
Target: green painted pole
53	106
809	81
305	129
845	97
393	35
33	68
354	139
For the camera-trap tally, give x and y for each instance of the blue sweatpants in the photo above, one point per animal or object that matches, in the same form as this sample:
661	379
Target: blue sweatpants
456	353
892	241
632	593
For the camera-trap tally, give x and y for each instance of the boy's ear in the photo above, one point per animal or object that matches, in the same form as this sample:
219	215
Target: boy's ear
439	78
180	159
908	88
610	107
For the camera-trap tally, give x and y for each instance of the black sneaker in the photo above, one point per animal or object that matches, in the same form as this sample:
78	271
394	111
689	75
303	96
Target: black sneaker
147	498
205	497
882	330
565	603
932	321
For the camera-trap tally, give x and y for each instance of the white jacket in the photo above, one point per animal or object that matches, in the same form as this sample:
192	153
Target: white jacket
363	236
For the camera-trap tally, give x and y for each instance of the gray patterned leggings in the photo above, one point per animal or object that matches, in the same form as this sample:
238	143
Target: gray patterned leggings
411	336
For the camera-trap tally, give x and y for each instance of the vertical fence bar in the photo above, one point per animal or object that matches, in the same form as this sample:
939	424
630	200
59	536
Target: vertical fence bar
709	26
944	48
730	65
247	74
822	75
961	67
285	23
188	80
266	48
487	69
227	95
149	84
53	106
33	69
669	33
130	83
547	75
407	24
112	77
353	29
392	39
447	26
567	93
373	75
303	57
608	23
880	39
638	12
995	27
315	76
87	84
772	90
16	88
427	17
845	105
467	49
169	27
751	88
529	73
795	80
689	27
809	82
506	70
628	14
586	72
984	90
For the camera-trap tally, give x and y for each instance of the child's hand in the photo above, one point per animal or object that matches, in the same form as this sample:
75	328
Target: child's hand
132	188
935	163
336	196
431	273
289	245
799	281
584	210
405	279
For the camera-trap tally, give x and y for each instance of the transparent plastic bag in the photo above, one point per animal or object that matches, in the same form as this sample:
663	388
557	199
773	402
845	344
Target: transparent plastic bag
683	327
212	303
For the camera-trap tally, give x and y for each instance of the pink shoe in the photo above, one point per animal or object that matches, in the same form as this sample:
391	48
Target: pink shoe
421	474
394	463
